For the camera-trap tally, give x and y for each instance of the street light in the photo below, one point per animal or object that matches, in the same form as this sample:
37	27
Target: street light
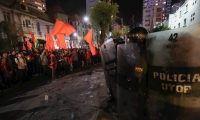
86	19
75	34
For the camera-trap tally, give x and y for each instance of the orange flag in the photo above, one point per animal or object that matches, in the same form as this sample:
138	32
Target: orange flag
29	45
47	46
59	30
67	29
62	27
57	27
88	38
51	43
61	41
23	47
32	36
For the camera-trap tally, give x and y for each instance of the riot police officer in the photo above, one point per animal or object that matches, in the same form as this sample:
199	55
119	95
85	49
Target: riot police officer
138	35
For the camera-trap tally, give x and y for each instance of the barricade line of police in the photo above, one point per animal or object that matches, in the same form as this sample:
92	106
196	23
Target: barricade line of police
169	88
18	67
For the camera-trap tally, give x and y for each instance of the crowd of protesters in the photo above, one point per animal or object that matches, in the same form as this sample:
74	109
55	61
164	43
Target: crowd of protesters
21	66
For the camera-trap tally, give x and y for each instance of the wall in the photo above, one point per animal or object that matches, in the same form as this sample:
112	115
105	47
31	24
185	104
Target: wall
185	17
43	25
62	17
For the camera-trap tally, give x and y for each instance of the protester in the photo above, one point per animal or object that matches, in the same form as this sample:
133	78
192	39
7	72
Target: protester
88	58
75	59
6	70
53	65
22	65
70	60
44	62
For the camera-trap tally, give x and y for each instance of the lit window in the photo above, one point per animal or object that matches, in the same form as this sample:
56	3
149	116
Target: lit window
38	3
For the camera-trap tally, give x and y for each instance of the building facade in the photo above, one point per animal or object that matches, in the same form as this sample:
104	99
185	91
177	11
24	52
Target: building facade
90	4
36	4
151	3
82	28
26	18
187	14
155	12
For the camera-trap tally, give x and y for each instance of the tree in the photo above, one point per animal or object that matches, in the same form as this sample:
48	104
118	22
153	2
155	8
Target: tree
9	35
160	28
118	32
102	15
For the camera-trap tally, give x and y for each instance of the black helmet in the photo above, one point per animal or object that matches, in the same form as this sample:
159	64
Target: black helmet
138	30
134	37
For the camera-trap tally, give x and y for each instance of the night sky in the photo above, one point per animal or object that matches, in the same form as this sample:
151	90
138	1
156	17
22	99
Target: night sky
127	8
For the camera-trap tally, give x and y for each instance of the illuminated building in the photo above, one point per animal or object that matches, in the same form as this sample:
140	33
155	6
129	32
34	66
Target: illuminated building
37	4
90	4
187	14
155	12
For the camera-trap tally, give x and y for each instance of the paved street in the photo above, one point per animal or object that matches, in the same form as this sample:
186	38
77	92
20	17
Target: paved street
78	96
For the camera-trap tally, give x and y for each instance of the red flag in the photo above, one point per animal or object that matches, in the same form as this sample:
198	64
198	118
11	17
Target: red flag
57	27
88	38
47	41
51	43
23	47
67	29
29	45
32	37
62	27
61	41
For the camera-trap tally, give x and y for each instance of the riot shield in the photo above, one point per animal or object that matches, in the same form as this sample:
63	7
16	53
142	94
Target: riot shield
174	74
128	57
109	62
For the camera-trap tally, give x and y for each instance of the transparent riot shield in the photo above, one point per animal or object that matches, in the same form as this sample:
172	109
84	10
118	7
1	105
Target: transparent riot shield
109	62
128	57
174	74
